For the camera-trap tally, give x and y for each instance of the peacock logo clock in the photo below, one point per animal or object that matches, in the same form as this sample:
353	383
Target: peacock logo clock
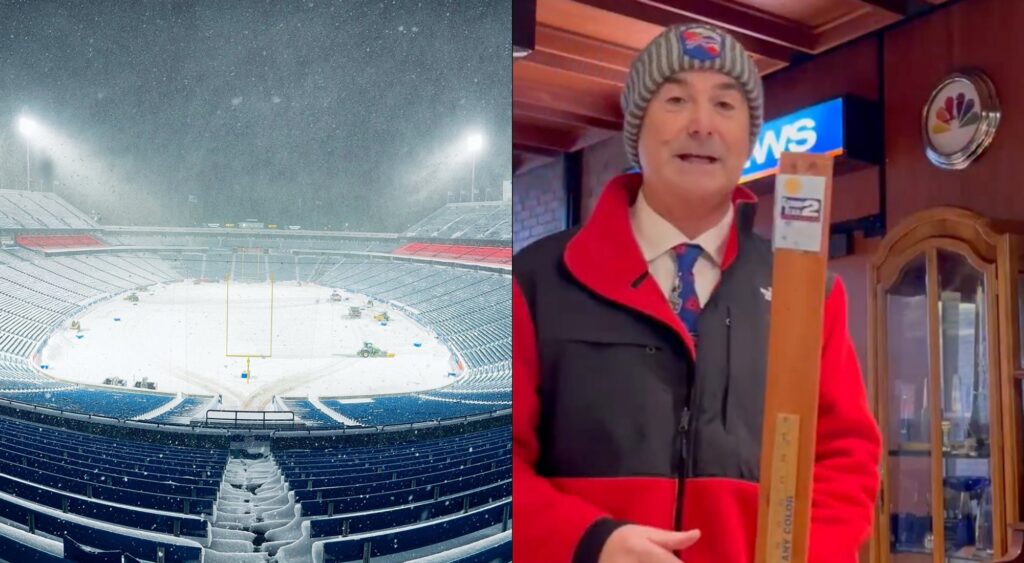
960	119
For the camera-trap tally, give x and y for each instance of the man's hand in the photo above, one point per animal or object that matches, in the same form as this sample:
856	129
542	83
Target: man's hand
643	544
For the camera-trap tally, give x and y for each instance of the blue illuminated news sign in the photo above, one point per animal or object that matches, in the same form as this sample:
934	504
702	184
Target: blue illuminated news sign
819	129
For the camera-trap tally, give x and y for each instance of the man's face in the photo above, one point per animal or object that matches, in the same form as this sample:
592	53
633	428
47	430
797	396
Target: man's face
695	136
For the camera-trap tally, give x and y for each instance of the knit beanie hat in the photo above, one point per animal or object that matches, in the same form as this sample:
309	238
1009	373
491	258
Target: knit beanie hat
687	47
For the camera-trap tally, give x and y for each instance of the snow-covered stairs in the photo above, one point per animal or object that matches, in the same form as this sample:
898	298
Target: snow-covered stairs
252	489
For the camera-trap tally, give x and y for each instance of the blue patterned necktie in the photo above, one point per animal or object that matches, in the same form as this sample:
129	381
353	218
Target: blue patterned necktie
686	300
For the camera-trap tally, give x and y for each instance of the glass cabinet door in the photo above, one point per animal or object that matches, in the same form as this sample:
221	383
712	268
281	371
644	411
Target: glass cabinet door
963	318
946	375
909	422
938	463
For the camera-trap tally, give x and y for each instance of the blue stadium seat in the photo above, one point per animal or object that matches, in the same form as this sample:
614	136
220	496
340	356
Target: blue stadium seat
409	513
21	547
499	552
188	408
489	397
308	413
182	525
327	502
329	468
423	477
117	404
138	497
74	551
409	408
385	471
412	537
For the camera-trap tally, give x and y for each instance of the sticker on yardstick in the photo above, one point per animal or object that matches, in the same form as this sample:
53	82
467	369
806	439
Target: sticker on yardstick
799	212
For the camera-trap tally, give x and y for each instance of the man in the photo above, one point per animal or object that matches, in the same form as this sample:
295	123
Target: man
640	345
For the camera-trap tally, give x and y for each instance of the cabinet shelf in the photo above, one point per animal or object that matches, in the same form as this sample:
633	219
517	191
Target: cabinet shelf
950	557
967	556
905	549
910	453
926	453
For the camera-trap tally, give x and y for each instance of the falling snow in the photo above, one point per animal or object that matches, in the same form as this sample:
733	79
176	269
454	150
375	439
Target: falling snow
259	109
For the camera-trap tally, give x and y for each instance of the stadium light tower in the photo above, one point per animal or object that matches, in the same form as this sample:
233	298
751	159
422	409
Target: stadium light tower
28	129
27	126
474	144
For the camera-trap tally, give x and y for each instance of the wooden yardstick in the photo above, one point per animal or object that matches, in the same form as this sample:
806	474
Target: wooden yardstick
800	238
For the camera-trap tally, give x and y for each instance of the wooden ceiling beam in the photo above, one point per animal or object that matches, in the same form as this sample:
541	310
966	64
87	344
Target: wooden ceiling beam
521	108
582	67
578	46
744	20
536	151
536	136
857	26
602	106
584	56
901	8
663	17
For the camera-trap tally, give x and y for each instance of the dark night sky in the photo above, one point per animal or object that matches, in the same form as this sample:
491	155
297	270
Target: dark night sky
260	109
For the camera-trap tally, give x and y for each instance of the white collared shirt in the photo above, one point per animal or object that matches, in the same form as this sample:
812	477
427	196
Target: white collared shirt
657	239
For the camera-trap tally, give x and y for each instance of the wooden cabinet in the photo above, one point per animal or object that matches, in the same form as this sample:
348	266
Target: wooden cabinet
944	378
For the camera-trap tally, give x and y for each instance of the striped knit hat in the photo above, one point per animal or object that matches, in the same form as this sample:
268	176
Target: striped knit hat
687	47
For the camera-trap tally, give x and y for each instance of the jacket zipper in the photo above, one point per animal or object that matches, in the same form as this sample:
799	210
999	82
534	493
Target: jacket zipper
728	338
683	455
728	363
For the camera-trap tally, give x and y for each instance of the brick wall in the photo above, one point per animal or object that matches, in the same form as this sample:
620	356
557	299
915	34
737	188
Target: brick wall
538	204
601	162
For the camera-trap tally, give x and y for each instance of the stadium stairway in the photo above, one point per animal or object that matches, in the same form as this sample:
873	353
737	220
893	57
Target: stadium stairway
252	488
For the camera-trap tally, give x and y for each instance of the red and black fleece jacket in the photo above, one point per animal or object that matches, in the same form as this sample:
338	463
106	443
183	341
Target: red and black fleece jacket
620	417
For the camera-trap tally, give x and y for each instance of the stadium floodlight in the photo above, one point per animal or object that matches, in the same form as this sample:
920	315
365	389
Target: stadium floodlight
474	144
28	128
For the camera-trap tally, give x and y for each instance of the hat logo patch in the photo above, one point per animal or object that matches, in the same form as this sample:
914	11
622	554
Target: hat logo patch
701	43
